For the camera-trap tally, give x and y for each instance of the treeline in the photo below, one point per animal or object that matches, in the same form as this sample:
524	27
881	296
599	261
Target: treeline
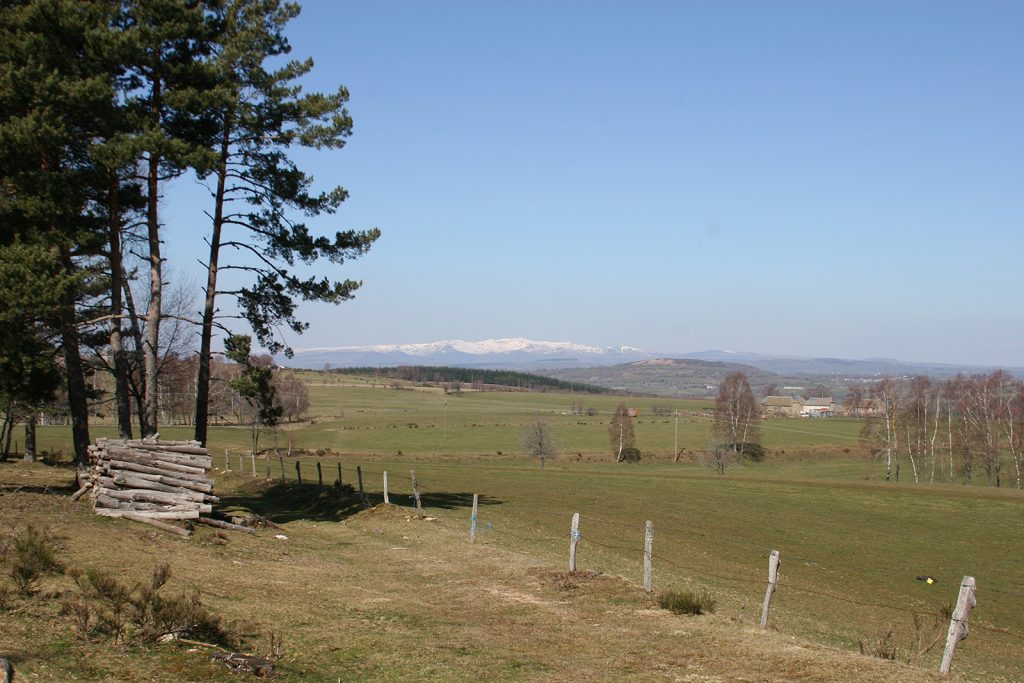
957	429
473	377
102	104
227	405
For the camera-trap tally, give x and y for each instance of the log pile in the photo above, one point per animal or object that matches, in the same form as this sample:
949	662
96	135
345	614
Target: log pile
150	481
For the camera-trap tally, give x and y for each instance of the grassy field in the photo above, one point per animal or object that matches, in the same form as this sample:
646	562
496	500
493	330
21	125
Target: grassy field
357	416
372	594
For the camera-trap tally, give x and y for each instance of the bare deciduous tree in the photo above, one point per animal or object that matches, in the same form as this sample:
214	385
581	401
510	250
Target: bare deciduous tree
881	426
737	414
291	394
536	438
854	400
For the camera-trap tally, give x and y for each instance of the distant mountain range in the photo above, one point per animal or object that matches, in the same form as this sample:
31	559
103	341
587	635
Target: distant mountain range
514	353
842	367
545	356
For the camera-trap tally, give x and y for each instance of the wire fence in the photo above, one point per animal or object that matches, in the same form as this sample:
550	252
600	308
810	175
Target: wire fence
599	531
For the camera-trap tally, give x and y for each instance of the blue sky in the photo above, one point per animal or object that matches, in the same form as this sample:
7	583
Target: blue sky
808	178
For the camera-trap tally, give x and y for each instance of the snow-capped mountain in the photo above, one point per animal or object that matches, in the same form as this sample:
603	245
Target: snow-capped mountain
515	352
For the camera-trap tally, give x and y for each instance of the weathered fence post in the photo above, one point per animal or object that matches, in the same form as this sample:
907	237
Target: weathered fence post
298	471
416	495
574	538
648	541
319	474
252	456
387	501
339	474
241	462
281	460
958	624
227	459
472	518
773	580
362	495
268	463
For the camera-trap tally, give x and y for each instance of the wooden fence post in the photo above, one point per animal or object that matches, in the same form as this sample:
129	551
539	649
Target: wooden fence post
298	471
773	580
472	518
319	474
268	463
387	501
281	460
227	460
339	474
648	541
958	624
252	456
574	538
362	495
416	495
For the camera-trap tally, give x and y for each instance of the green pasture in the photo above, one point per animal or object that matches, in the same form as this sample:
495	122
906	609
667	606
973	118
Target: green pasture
851	545
851	550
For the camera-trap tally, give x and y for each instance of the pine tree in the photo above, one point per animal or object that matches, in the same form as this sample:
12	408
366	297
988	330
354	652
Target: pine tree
166	80
53	80
260	115
254	385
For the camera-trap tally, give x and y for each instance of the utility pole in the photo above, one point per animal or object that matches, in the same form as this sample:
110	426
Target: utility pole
675	453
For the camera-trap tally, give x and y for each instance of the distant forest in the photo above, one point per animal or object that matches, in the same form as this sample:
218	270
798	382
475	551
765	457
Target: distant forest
474	377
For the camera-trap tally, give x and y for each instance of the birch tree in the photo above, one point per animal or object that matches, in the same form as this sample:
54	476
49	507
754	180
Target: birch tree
737	414
620	431
882	427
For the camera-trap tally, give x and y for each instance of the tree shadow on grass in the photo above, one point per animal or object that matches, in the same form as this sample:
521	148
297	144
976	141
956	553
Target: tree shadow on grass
290	501
51	490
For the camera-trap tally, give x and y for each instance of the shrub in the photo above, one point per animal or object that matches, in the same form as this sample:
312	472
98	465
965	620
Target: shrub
34	555
108	607
751	451
884	647
630	455
687	602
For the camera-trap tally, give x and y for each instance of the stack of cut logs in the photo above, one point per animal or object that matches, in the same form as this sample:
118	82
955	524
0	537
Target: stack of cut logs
151	481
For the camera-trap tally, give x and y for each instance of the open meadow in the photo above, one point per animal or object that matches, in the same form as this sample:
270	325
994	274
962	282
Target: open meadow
382	594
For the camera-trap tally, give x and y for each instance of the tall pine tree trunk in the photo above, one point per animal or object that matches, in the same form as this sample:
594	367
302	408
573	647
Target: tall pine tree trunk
121	397
209	306
30	437
78	403
135	390
151	349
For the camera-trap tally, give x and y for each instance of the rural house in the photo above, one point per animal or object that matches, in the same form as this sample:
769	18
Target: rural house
817	407
780	406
